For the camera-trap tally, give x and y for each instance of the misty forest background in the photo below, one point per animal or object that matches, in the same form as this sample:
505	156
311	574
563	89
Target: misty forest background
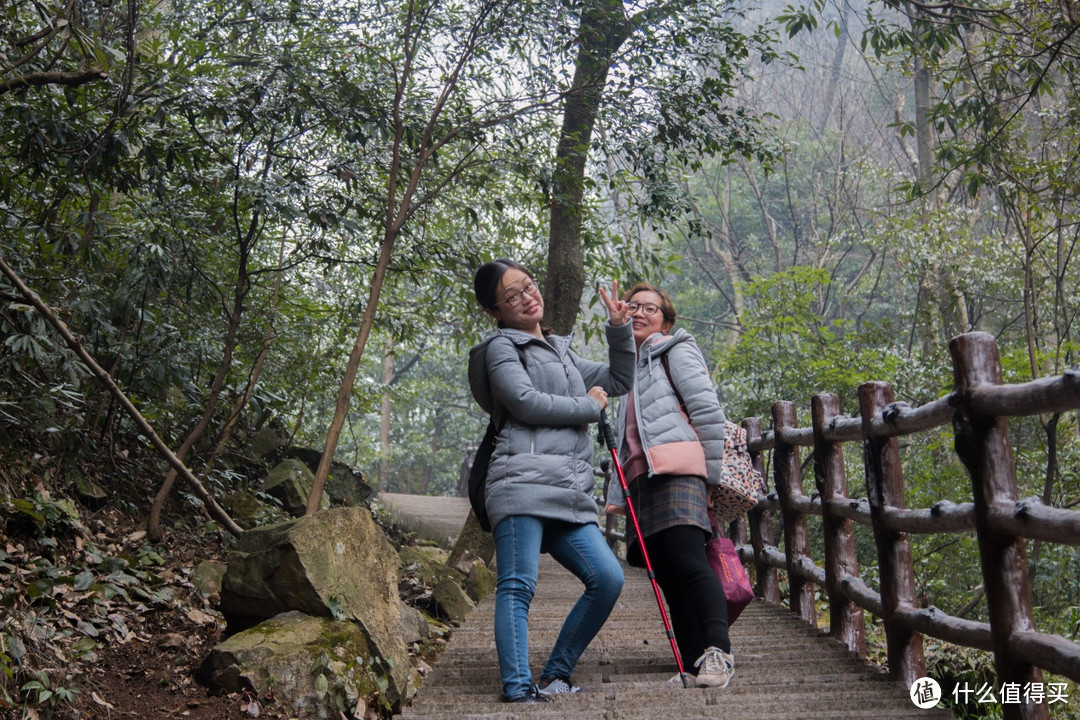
267	213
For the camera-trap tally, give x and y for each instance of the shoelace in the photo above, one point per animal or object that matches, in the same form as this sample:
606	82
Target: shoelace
711	661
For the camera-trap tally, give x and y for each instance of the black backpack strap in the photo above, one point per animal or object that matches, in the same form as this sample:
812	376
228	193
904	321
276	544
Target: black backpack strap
678	396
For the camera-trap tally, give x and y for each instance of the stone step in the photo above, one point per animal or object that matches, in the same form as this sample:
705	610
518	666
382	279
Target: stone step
785	668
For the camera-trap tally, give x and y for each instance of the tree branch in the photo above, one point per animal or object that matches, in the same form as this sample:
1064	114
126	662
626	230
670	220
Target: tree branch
36	79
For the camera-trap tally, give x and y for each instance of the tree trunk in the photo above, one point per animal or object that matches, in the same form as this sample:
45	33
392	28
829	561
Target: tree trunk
842	41
256	370
246	242
153	523
401	190
385	411
433	449
604	27
333	433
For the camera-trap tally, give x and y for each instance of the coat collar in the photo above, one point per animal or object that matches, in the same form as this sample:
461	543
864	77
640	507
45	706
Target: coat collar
519	337
657	344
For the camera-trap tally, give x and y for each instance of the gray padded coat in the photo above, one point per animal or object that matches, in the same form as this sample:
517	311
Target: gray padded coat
673	443
542	464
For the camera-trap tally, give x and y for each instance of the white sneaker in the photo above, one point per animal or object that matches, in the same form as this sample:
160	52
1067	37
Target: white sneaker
715	668
691	681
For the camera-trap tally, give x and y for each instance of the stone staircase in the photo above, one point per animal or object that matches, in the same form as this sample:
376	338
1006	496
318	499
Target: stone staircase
784	669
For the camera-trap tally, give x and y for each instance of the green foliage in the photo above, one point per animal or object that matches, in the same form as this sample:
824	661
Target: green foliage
953	665
41	692
789	350
336	611
40	515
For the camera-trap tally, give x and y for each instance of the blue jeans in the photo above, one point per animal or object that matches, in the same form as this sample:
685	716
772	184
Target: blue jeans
519	540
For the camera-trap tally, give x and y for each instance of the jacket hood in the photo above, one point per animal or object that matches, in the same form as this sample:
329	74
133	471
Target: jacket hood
657	344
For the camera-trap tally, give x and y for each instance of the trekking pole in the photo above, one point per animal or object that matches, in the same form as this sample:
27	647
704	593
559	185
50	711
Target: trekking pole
609	441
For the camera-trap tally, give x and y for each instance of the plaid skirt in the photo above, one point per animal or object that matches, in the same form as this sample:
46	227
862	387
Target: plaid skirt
662	502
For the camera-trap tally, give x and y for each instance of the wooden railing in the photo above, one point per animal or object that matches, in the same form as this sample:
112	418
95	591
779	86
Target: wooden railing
977	408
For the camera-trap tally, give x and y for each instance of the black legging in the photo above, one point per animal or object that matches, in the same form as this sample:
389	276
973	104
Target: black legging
694	595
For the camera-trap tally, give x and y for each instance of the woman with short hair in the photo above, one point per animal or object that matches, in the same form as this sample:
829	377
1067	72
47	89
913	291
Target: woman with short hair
671	445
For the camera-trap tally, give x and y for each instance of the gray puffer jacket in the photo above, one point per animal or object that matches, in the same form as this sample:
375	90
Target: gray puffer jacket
674	444
542	464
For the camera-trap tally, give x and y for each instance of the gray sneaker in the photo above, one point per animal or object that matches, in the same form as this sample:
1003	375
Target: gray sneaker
715	668
558	686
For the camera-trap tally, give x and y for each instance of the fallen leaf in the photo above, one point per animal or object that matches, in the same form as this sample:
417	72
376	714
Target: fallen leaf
100	701
171	641
197	615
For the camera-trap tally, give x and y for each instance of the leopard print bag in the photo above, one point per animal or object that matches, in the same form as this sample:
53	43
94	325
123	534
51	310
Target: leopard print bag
740	482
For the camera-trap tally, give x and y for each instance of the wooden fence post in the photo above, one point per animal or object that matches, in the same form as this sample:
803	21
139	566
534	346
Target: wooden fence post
761	528
788	477
885	490
982	442
846	621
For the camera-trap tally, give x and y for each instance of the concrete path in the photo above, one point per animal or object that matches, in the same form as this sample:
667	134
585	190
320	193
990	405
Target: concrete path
435	518
785	669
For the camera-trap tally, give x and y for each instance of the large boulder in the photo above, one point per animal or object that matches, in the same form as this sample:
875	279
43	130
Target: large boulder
427	564
290	482
472	539
207	577
414	625
345	485
480	582
333	563
451	602
266	441
315	667
244	507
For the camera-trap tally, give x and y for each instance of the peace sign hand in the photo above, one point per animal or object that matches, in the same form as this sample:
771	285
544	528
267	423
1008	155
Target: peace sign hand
617	310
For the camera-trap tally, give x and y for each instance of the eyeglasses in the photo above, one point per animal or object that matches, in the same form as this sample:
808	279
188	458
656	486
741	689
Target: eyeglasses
647	308
514	298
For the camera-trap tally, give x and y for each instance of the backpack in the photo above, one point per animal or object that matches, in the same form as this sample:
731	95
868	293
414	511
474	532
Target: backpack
479	470
478	474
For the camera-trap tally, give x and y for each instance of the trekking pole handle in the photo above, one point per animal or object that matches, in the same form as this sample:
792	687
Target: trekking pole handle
605	431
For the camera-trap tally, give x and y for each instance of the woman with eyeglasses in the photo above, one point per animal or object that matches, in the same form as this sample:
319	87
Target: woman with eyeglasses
539	492
671	444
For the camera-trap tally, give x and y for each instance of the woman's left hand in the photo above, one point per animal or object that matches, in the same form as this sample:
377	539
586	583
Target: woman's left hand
616	308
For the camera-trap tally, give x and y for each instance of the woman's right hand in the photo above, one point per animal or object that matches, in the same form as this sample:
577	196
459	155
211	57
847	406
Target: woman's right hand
598	394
